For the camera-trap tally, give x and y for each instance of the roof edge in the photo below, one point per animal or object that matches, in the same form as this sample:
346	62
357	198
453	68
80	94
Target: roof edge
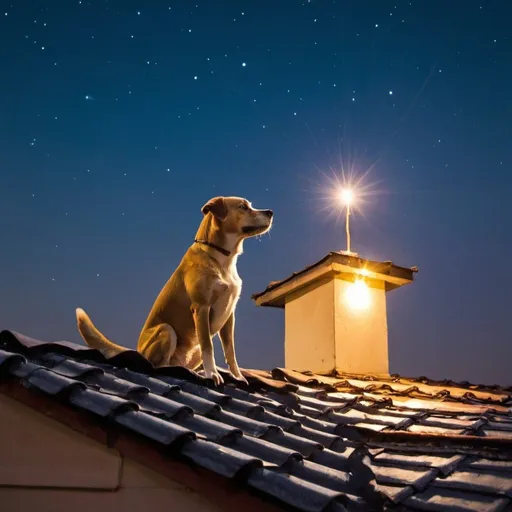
220	491
332	264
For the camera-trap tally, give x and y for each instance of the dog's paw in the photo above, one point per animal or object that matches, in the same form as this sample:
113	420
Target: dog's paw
215	376
239	377
237	374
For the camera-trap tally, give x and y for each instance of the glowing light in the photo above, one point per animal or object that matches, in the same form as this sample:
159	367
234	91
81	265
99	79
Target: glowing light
357	296
347	196
344	193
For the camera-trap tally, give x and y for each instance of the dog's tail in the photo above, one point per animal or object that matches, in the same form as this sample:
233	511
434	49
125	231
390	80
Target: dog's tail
93	337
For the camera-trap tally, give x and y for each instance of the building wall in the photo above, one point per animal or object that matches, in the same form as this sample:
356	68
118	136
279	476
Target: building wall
48	467
310	330
323	333
361	336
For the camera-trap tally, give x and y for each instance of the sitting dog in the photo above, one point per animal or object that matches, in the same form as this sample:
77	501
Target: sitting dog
199	299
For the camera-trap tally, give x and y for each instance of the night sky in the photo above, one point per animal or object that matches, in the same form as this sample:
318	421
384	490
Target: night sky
121	118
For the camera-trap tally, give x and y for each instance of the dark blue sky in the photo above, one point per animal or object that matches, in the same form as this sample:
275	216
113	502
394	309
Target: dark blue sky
119	119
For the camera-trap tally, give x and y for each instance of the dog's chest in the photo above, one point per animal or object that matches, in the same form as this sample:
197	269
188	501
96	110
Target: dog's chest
226	303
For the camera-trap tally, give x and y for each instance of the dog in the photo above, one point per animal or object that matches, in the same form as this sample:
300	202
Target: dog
199	299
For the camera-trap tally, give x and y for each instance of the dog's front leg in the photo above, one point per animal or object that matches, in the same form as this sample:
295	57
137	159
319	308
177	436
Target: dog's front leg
227	338
202	322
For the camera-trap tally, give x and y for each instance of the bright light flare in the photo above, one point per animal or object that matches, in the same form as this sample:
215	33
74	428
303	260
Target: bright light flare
344	192
357	295
338	192
347	196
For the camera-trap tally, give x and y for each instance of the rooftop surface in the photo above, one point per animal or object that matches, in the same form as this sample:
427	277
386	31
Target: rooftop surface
295	441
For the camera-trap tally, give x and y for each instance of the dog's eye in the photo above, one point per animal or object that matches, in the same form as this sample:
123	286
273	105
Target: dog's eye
243	207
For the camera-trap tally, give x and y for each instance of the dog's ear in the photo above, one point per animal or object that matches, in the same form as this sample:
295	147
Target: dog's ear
217	206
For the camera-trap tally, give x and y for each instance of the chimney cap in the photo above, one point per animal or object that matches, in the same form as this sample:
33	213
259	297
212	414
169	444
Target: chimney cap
335	263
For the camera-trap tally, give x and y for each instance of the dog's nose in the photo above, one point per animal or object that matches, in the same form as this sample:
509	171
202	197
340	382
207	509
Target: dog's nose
269	213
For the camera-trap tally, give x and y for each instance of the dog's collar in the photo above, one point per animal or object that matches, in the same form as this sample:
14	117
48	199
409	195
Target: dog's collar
213	246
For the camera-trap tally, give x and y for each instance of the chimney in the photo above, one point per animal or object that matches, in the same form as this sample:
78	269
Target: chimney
335	314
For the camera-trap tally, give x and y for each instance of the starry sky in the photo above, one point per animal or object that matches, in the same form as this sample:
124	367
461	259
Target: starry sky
121	118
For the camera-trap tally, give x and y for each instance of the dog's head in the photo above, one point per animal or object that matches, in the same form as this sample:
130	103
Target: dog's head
236	215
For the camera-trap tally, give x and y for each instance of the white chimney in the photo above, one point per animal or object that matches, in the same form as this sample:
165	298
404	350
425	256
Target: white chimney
335	314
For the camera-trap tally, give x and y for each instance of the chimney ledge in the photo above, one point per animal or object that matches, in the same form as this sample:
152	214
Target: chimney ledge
335	264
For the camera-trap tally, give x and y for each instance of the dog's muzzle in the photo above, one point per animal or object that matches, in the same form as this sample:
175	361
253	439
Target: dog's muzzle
254	229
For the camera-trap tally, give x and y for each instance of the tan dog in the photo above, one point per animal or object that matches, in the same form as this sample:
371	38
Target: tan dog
199	299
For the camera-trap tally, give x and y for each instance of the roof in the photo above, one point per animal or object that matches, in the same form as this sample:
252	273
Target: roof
335	263
300	441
